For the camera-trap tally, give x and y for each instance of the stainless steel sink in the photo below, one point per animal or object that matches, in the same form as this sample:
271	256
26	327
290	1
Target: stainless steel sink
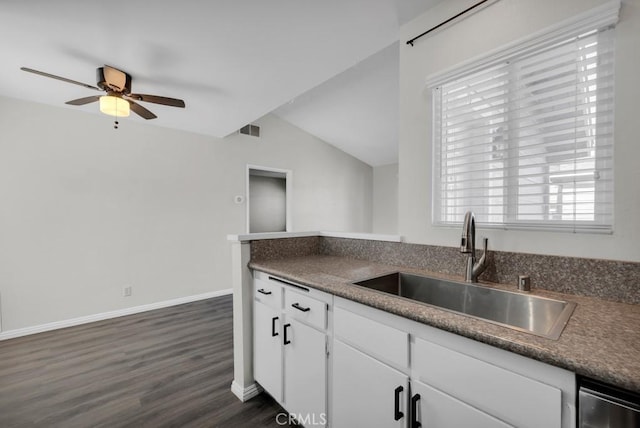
532	314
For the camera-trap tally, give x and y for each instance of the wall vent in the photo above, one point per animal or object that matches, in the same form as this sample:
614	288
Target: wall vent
253	130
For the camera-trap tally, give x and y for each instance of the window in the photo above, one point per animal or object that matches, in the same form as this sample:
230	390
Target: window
527	141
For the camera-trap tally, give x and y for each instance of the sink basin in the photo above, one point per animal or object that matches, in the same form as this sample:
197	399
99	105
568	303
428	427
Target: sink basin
531	314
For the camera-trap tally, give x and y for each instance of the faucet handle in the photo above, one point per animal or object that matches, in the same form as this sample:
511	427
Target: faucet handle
485	244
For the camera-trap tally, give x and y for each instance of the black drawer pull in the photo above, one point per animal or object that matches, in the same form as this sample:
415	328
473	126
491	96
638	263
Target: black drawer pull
300	308
414	411
286	341
396	406
274	333
289	283
263	291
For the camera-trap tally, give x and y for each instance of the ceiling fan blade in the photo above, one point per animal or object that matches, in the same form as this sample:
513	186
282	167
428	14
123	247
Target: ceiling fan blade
53	76
83	101
173	102
141	111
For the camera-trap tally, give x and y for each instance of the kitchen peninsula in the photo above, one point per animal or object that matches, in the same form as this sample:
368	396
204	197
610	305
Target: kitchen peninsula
601	340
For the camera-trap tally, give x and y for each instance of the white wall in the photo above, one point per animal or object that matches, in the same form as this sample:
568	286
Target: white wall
86	209
485	31
385	199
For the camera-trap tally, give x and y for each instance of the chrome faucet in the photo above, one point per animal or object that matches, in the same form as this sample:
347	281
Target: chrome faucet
468	246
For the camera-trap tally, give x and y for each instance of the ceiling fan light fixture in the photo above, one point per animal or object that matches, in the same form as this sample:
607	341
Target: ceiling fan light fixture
114	106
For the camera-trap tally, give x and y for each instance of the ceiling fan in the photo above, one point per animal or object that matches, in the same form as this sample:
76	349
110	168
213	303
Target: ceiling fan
119	99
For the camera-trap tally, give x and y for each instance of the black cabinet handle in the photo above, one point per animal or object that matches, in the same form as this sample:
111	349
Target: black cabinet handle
396	406
263	291
414	411
286	341
300	308
274	333
299	287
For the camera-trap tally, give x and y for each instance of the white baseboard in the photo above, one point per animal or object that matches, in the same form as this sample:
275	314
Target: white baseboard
111	314
247	393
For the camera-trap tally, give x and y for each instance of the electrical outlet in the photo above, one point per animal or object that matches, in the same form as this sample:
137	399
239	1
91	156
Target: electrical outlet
126	290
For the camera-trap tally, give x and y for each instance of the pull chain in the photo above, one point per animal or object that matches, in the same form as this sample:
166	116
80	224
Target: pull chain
115	123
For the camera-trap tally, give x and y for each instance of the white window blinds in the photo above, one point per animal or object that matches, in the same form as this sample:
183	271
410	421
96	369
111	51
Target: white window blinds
528	142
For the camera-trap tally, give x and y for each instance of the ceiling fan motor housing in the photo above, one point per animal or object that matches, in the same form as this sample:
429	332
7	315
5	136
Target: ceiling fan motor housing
113	80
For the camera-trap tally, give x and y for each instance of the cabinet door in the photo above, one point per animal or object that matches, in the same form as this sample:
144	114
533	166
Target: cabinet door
267	349
305	373
435	409
366	392
509	396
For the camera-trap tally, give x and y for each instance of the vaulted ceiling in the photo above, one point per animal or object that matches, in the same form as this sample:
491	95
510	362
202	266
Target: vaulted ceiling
329	67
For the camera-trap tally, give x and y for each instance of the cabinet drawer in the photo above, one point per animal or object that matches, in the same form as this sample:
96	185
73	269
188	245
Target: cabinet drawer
511	397
268	293
305	308
374	338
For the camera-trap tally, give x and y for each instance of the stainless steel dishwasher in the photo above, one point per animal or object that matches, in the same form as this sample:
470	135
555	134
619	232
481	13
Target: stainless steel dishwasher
603	406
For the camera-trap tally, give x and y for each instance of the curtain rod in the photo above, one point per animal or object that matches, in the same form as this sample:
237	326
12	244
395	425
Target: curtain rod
410	42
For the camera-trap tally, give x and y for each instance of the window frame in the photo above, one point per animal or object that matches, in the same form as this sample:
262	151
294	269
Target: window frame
598	18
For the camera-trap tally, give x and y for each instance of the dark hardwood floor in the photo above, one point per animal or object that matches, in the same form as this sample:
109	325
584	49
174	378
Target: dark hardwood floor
170	367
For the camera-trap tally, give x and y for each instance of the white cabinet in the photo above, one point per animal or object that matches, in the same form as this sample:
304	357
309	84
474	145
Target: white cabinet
432	408
446	380
369	393
511	397
290	346
305	373
370	388
267	349
366	392
334	362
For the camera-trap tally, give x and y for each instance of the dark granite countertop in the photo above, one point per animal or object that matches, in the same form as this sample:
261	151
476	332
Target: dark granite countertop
601	340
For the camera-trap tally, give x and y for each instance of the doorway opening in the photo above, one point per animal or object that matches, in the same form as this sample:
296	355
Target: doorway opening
268	199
